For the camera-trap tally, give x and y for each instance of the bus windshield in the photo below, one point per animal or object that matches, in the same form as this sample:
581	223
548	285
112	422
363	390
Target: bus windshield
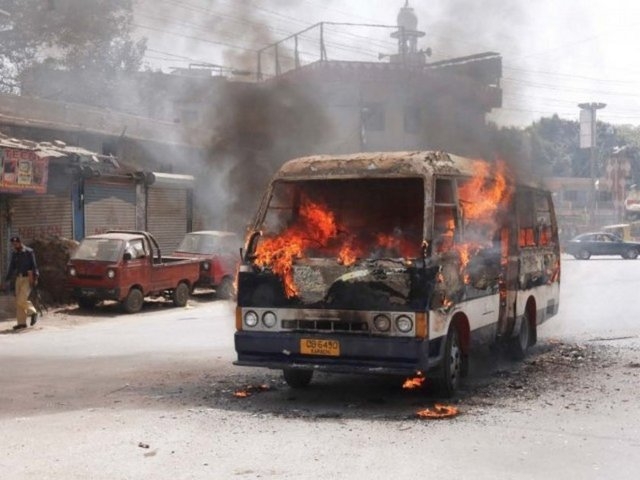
346	220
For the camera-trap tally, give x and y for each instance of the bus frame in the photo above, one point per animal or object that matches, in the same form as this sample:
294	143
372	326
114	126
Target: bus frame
504	307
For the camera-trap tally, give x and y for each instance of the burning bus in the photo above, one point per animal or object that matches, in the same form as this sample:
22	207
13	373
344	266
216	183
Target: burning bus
394	263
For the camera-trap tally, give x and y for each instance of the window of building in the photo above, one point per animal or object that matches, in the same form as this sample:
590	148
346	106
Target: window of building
412	119
373	116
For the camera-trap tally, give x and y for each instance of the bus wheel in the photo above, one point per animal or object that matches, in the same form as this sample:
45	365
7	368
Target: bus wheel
181	295
133	302
520	344
297	378
453	363
584	255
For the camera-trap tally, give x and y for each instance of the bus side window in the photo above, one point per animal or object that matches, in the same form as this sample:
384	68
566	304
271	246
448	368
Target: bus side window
526	219
444	216
543	219
444	227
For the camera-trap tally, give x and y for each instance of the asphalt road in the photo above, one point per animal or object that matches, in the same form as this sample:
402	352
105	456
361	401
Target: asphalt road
112	396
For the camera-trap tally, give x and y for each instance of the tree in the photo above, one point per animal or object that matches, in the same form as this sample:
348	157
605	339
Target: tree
66	34
554	145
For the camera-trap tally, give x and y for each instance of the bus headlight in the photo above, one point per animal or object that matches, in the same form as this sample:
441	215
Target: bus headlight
382	323
251	318
269	319
72	271
404	323
111	273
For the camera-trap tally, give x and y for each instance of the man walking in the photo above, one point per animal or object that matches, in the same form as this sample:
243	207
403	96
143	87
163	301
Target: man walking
25	270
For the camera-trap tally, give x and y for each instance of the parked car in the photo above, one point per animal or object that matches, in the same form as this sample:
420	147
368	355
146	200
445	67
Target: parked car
127	266
220	255
601	243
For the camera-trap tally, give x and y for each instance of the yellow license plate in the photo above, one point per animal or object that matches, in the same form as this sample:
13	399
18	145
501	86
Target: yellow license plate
314	346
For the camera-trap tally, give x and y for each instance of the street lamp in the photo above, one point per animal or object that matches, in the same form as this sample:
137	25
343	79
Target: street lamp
588	140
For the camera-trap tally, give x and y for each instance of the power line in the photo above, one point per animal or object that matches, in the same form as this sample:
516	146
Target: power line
191	37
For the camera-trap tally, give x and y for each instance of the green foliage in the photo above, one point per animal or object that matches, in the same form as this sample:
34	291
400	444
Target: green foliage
551	147
68	34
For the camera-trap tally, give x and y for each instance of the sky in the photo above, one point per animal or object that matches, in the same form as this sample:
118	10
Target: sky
556	54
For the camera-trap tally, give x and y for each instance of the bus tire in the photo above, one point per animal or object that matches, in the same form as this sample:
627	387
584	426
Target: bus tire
453	366
180	295
297	378
519	345
133	302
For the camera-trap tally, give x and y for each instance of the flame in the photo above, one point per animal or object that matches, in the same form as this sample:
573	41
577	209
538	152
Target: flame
396	244
481	199
317	229
446	303
465	254
415	382
485	192
439	410
314	228
347	255
250	390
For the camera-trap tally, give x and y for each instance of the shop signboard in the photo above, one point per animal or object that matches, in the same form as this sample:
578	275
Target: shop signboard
23	171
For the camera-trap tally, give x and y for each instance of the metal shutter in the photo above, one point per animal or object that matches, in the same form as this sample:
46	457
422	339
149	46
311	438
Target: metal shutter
109	206
167	216
42	216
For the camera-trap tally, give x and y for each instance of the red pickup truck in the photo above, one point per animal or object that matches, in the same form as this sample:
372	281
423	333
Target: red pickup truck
220	255
127	266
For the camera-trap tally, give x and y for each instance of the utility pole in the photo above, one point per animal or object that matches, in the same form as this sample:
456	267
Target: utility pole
588	140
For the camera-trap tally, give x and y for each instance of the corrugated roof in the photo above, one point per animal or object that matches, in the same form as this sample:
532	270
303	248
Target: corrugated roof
55	149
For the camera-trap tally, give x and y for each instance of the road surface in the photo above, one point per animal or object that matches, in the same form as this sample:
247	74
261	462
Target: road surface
151	395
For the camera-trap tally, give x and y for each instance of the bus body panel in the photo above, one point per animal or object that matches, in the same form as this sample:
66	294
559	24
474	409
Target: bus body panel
485	297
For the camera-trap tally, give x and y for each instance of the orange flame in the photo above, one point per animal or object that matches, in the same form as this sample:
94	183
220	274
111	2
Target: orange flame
347	255
484	193
481	198
415	382
315	227
250	390
396	245
439	410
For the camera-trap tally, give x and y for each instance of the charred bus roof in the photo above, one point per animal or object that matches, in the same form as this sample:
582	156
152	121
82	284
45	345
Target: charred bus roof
423	164
375	164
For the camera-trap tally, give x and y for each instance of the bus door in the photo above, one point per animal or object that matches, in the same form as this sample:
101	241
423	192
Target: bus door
508	284
518	236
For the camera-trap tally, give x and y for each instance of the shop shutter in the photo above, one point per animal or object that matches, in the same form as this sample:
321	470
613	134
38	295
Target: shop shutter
35	216
109	206
167	216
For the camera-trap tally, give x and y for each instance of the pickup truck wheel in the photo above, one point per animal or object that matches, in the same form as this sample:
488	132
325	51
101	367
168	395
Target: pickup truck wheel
133	302
225	290
87	303
296	378
181	295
